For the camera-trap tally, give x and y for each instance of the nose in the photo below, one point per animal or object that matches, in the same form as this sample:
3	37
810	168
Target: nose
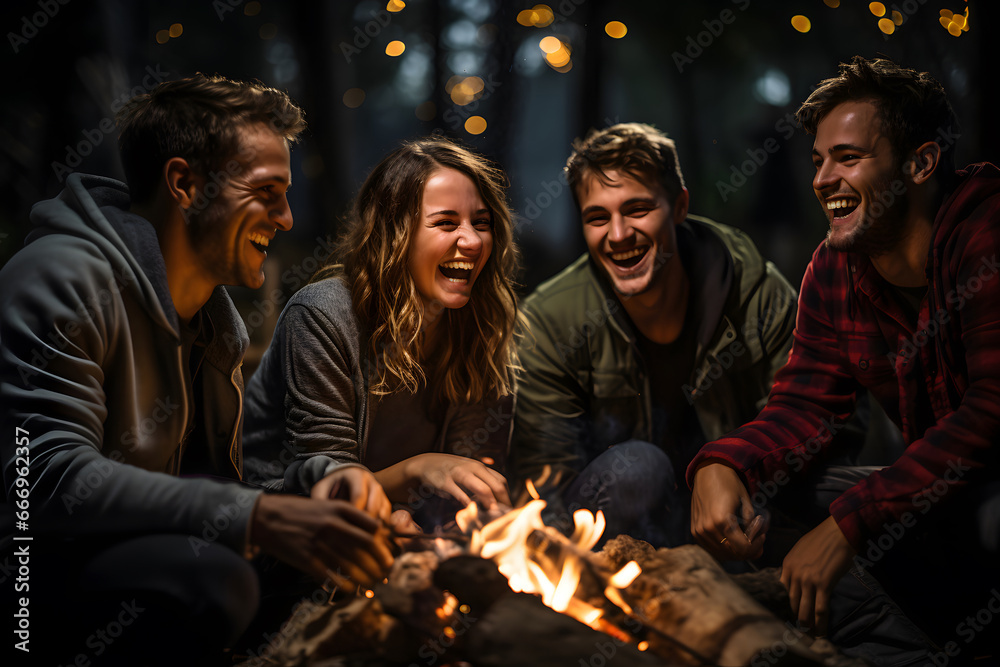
281	214
825	176
619	231
470	239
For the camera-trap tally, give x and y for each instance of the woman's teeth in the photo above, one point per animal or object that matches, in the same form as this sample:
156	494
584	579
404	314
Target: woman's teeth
457	271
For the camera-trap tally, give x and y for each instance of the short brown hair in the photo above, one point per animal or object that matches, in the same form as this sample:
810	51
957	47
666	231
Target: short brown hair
199	119
637	149
913	106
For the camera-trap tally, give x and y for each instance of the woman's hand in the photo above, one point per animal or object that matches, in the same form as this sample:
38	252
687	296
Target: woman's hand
447	475
358	487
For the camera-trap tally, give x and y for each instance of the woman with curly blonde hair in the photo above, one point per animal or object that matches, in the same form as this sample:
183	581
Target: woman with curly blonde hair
399	357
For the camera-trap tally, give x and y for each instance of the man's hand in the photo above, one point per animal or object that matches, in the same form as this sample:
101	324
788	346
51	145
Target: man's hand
358	487
812	568
718	501
320	536
457	477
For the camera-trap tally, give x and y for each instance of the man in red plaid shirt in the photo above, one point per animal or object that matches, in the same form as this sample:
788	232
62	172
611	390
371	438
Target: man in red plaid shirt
902	299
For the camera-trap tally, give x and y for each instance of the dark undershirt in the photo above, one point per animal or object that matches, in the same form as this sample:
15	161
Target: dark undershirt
402	426
675	426
909	299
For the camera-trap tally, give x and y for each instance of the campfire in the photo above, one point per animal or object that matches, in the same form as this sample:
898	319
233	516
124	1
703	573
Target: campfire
510	590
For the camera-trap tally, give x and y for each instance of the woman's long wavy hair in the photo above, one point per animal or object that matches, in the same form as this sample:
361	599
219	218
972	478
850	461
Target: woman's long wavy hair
474	353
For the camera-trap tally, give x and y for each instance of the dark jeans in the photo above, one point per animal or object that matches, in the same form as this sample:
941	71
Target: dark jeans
146	600
634	484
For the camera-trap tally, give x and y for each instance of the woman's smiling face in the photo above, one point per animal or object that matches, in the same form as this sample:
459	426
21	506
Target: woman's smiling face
452	241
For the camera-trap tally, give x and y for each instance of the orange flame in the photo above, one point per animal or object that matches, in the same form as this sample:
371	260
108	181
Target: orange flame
530	570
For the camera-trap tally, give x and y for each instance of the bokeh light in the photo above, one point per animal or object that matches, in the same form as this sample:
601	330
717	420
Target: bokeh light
550	44
395	48
395	6
616	29
539	16
886	26
354	97
897	18
832	3
464	90
955	24
252	8
876	8
475	125
801	23
162	36
176	30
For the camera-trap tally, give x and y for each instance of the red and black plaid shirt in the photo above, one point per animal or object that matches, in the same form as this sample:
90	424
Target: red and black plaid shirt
939	381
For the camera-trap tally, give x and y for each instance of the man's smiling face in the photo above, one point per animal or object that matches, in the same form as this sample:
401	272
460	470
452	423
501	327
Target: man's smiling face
859	181
230	237
629	228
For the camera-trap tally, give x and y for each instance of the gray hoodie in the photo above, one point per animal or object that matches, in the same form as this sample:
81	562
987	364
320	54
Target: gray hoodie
95	398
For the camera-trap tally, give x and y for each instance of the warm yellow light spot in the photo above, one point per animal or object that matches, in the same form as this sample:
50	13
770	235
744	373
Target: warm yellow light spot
526	17
643	646
945	22
395	6
369	594
954	29
876	8
562	69
959	19
176	30
252	8
897	18
268	31
559	58
543	16
465	609
550	44
615	29
163	35
886	26
475	125
946	13
426	111
395	48
466	90
354	97
832	3
801	23
452	82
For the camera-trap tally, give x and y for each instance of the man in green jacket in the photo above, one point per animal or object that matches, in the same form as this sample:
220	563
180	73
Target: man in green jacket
665	335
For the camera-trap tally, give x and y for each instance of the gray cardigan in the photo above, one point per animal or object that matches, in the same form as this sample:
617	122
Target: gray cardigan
308	409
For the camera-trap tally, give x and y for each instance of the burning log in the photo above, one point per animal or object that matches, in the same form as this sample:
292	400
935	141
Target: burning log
701	616
632	605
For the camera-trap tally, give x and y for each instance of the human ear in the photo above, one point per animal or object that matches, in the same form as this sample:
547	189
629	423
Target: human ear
182	182
924	162
680	208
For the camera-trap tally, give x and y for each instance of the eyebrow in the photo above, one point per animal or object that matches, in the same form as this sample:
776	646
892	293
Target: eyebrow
844	147
450	212
628	202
